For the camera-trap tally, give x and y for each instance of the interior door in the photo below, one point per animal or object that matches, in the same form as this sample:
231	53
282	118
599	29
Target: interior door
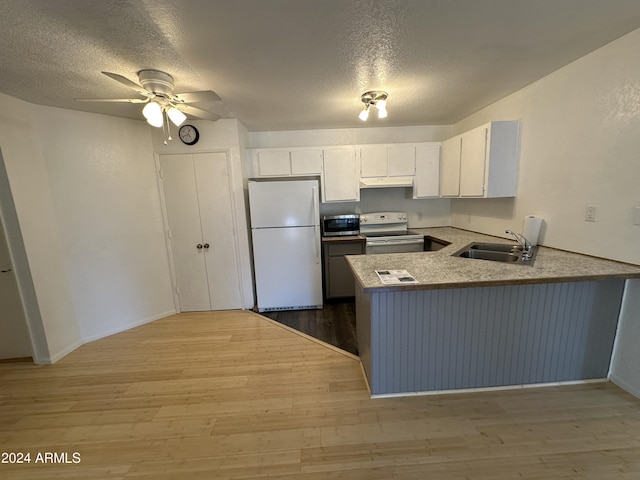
14	336
183	214
217	222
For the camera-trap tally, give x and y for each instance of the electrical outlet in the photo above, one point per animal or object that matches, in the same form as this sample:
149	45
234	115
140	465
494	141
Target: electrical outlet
420	216
590	214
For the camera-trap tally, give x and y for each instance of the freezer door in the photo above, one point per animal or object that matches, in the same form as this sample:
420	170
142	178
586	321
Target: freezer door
287	268
284	204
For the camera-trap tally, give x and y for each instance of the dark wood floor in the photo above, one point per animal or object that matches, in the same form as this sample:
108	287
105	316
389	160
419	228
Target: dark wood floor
334	324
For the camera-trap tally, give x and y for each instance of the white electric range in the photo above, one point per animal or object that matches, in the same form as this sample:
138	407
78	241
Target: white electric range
386	232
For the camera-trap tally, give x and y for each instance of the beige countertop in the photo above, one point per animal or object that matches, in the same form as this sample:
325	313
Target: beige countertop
437	270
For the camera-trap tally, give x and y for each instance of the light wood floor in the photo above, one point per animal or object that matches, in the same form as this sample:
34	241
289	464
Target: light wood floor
234	395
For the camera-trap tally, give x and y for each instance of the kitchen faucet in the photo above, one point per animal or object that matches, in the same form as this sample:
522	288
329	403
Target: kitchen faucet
523	242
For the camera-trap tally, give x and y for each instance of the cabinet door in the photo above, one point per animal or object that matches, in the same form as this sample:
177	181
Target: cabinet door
306	162
373	161
339	176
472	162
450	167
273	163
402	160
427	179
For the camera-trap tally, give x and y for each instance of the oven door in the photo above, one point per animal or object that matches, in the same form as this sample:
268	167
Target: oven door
377	245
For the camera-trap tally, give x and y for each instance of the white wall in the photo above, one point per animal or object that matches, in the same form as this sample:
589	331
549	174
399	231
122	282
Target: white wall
421	213
226	135
579	146
102	178
48	301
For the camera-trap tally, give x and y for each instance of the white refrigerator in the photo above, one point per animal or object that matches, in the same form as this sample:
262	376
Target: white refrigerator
285	227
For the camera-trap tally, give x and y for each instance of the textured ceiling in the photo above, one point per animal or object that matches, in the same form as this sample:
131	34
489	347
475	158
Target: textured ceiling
301	64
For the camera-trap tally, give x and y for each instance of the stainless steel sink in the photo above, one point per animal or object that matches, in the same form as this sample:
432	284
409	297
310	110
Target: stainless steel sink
496	252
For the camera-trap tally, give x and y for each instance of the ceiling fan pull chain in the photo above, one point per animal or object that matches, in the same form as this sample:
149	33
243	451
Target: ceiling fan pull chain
166	117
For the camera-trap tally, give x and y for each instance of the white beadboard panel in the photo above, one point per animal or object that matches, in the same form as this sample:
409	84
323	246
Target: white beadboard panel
491	336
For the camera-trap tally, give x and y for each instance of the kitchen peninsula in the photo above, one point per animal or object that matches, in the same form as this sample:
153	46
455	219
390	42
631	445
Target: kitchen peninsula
470	323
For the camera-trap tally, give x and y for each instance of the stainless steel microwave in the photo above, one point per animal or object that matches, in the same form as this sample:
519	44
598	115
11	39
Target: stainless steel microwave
339	225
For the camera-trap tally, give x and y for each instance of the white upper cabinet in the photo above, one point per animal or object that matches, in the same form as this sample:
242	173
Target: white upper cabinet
306	162
472	162
402	160
340	175
427	178
273	163
450	167
488	161
285	162
373	161
382	161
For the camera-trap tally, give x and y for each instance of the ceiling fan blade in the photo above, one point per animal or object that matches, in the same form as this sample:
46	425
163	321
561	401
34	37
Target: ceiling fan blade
199	113
128	83
114	100
195	97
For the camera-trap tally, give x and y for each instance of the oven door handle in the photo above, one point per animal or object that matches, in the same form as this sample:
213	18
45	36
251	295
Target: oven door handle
378	243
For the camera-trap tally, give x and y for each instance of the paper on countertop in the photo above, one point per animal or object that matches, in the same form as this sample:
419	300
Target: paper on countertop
395	277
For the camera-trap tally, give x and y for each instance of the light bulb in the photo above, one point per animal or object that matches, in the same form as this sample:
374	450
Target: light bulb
152	111
382	112
364	114
381	104
176	116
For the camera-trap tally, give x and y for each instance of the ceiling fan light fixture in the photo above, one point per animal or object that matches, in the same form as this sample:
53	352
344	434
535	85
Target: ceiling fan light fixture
374	98
364	114
176	116
152	111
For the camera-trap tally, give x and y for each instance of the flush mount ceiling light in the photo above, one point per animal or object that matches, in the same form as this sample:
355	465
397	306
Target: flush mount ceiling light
374	98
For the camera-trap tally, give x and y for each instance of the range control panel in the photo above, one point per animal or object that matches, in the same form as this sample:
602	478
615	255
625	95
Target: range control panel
383	218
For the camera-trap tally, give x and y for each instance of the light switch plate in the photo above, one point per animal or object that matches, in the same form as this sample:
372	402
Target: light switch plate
636	216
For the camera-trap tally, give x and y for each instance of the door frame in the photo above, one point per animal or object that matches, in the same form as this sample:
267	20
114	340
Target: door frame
20	266
234	215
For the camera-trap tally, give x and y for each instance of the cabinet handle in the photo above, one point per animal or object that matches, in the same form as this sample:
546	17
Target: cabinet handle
206	245
199	246
5	271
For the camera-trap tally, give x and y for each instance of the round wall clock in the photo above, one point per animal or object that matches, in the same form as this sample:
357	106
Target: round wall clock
189	134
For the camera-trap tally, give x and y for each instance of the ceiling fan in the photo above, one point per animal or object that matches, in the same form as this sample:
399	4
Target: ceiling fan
157	89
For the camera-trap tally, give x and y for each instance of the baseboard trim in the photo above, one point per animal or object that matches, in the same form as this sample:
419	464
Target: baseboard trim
626	386
129	326
63	353
489	389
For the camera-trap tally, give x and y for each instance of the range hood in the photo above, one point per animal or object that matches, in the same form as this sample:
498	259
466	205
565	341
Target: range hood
386	182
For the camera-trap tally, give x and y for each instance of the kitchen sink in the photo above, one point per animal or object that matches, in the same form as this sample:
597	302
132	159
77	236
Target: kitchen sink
496	252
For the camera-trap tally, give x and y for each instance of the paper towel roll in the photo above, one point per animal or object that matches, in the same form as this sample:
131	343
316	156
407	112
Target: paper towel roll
531	228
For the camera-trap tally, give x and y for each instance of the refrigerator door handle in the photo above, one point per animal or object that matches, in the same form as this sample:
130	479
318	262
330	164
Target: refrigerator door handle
316	223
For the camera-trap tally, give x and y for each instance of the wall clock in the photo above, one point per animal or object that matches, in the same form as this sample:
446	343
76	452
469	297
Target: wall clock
189	134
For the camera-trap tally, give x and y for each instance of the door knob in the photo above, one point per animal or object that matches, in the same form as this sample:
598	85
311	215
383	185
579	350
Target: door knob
199	246
206	245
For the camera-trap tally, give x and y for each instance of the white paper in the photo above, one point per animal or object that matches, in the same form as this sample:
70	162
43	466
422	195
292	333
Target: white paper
395	277
531	229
